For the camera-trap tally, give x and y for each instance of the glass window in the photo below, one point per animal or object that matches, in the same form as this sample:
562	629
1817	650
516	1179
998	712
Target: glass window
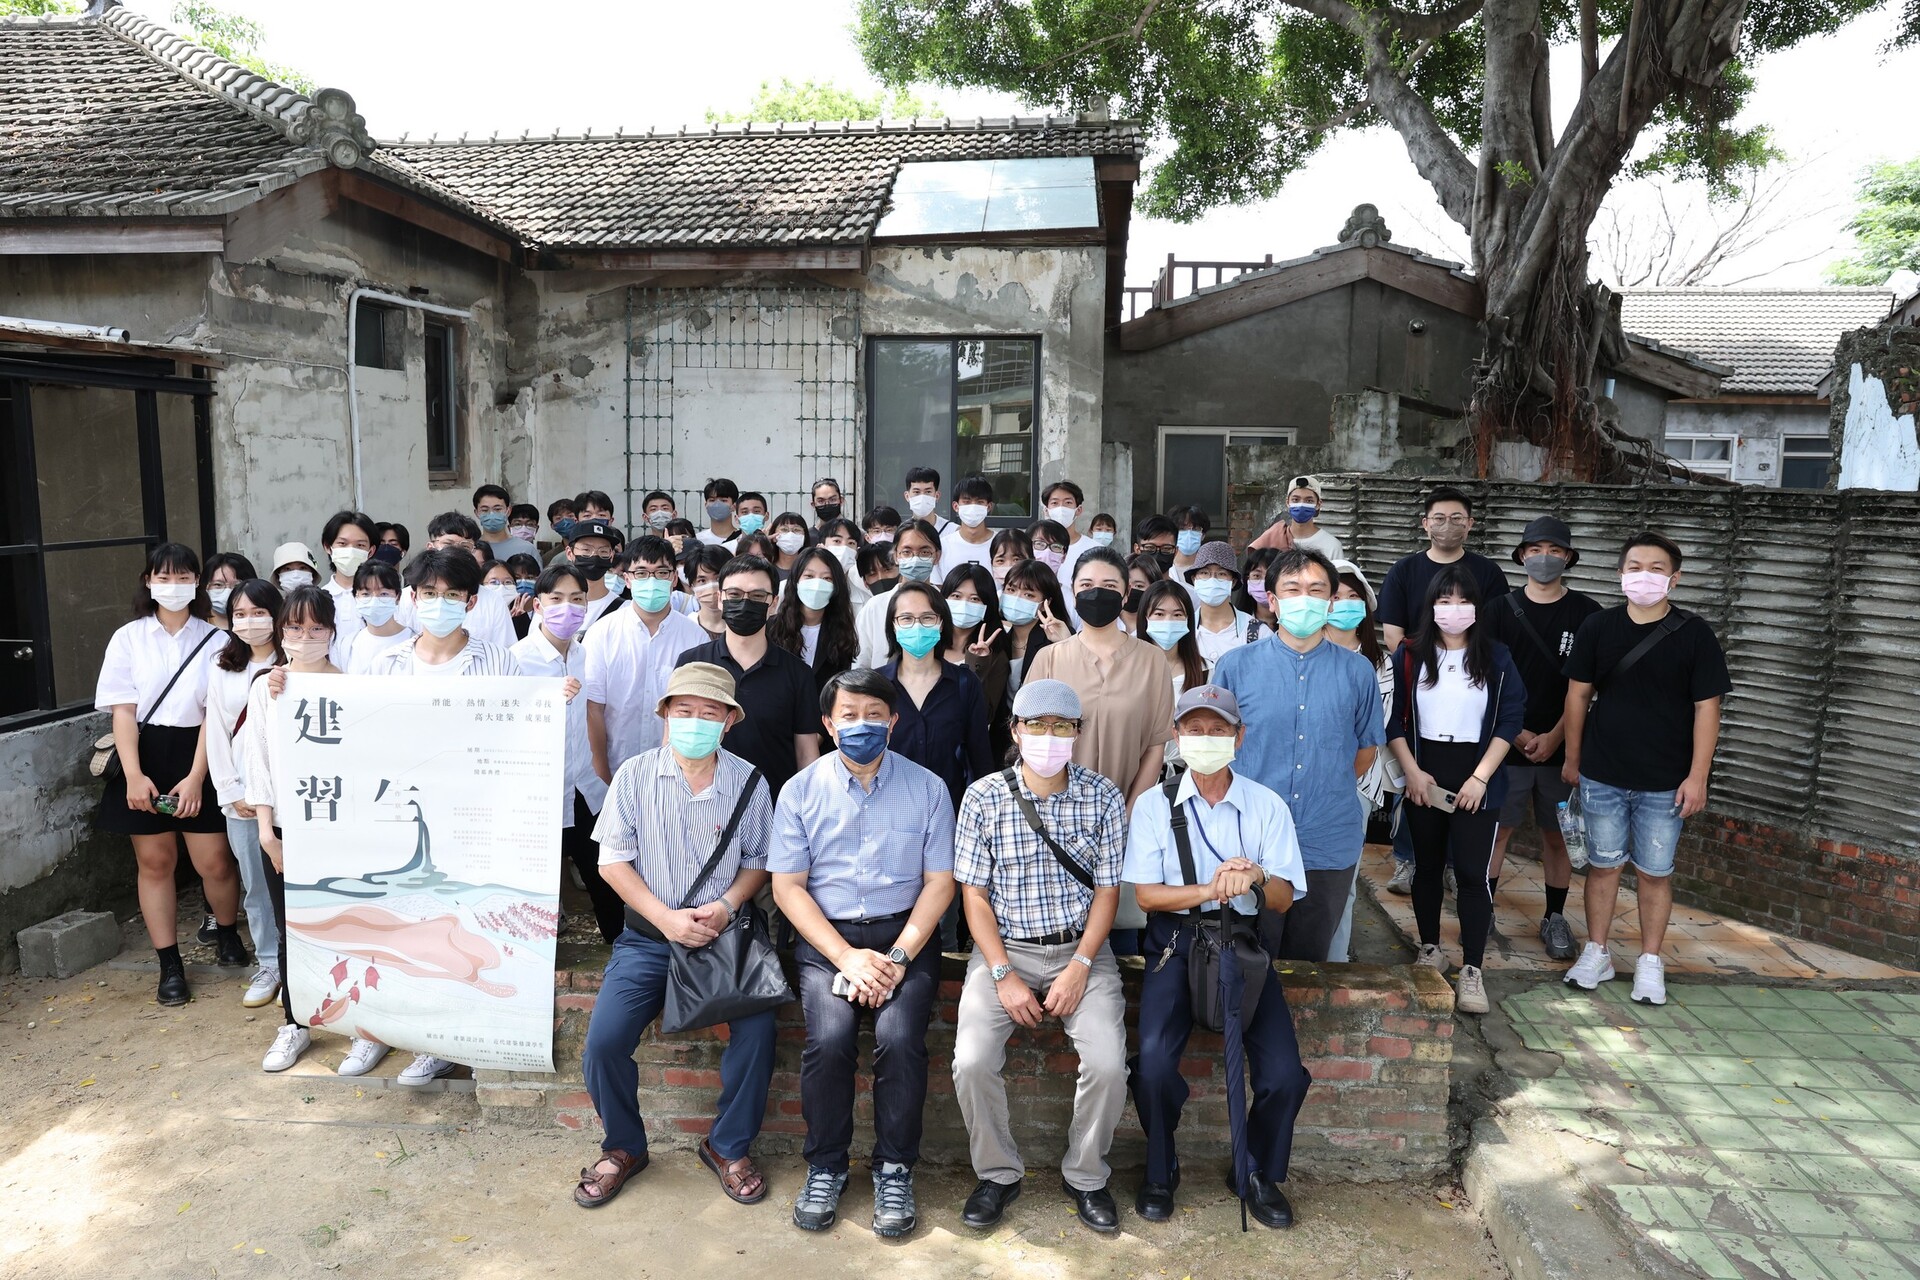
89	597
1200	465
960	197
1709	455
86	453
963	406
179	469
1805	462
18	683
443	399
379	336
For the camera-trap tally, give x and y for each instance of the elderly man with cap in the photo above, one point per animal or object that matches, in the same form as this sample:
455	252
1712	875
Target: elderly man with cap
1537	624
1037	853
1212	580
1238	848
665	811
1300	526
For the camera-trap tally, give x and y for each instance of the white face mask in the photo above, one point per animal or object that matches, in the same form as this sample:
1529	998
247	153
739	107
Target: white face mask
972	514
1063	516
172	595
295	578
1206	755
921	504
789	542
347	559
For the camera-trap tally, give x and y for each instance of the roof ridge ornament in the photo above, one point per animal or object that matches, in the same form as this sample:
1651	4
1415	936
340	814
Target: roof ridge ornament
1365	227
332	125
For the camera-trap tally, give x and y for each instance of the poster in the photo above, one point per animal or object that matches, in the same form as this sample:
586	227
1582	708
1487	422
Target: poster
423	860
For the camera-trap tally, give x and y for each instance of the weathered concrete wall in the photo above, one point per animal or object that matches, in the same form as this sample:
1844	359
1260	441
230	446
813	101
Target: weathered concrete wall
50	859
1875	405
1760	428
1642	407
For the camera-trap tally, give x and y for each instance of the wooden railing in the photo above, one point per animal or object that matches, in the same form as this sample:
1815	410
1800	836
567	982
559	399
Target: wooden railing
1167	286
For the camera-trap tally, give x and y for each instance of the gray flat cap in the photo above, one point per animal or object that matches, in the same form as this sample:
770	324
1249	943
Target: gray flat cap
1046	698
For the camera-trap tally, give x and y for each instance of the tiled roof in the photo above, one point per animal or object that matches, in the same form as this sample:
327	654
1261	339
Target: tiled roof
726	186
1776	341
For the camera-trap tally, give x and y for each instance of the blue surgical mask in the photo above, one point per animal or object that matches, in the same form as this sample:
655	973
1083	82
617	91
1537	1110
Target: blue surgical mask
219	597
694	739
375	611
1345	615
915	568
615	584
651	594
1302	616
1166	632
1188	540
564	527
862	743
1102	537
917	640
752	522
442	617
524	586
493	521
814	592
1018	610
1302	512
1213	590
967	613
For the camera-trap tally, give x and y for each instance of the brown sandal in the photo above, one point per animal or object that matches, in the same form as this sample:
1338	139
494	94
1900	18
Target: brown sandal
597	1188
735	1175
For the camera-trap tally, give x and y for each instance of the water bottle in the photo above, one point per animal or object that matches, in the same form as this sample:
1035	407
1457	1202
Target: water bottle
1573	831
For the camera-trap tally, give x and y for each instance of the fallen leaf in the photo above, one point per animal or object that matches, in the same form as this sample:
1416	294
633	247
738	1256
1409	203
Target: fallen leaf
379	1155
188	1205
259	1250
461	1239
86	1082
176	1095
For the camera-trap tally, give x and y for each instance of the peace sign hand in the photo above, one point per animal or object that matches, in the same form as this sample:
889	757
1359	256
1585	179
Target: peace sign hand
983	646
1056	630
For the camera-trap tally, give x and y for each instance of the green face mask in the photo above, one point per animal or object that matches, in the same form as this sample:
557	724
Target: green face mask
918	641
694	739
1302	616
1345	615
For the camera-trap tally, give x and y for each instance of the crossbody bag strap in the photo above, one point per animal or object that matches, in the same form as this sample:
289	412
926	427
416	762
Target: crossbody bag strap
726	837
1177	817
1513	602
1032	815
161	700
1674	620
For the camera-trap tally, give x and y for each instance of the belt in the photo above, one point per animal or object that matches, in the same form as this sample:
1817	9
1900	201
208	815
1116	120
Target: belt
872	920
1058	938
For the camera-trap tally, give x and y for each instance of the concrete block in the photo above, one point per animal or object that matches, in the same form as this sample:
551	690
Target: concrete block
68	944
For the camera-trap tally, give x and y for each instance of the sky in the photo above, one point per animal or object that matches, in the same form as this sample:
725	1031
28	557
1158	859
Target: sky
413	67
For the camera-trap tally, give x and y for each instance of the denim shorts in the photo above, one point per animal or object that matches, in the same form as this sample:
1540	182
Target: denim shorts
1647	821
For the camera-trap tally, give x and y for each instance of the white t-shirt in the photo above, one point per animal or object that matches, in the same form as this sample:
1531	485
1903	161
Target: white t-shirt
1215	644
627	670
956	551
1452	710
713	539
226	699
367	647
141	658
1323	542
536	656
809	641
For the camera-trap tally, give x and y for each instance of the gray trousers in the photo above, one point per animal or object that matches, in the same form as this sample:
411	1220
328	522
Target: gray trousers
1305	931
1098	1031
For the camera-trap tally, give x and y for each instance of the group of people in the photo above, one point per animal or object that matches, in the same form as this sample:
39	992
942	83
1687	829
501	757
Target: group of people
914	734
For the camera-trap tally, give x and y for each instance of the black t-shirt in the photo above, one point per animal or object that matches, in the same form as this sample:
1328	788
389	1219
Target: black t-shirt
1404	592
1556	624
781	703
1639	734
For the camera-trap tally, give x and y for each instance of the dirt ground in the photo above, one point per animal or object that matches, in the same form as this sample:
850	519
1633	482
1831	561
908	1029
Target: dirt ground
143	1141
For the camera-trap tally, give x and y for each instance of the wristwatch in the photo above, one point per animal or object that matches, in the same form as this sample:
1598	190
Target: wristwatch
899	956
1082	960
1000	971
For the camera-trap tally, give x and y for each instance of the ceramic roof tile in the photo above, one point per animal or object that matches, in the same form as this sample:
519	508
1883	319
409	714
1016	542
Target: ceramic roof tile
1776	341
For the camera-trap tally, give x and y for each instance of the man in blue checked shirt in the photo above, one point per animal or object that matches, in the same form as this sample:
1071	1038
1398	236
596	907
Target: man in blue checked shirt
1037	853
862	863
1244	852
1314	724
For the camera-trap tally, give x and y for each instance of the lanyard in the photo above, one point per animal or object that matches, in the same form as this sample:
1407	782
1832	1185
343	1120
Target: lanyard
1193	812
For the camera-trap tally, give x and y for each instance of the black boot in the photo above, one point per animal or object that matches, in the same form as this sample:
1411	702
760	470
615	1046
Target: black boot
173	978
229	952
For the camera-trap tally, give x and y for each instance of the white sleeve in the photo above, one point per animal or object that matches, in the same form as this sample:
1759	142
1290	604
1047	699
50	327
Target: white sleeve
223	767
116	686
257	751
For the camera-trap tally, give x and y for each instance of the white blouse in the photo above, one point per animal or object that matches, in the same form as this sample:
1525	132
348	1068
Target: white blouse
141	659
226	699
536	656
1453	710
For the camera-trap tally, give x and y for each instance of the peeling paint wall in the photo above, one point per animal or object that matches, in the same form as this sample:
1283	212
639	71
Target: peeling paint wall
1875	408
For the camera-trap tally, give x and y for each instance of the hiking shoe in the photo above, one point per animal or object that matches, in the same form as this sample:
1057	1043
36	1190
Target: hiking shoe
1470	992
1401	881
364	1056
1557	936
819	1201
209	931
893	1214
288	1045
1649	980
263	990
1432	957
1594	967
425	1068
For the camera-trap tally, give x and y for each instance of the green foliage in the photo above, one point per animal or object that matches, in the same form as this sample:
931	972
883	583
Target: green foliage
55	8
236	39
1886	229
1513	173
1695	139
823	100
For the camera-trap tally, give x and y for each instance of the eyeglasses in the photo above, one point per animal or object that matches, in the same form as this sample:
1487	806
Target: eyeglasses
306	633
1211	727
1457	522
659	575
758	597
1054	728
436	593
924	620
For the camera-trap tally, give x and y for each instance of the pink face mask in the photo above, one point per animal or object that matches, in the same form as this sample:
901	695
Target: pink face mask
564	620
1045	754
1645	589
1051	558
1453	619
1257	588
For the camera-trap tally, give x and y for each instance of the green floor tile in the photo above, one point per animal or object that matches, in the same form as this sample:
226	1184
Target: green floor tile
1689	993
1775	1256
1804	1214
1861	1260
1901	1070
1904	1174
1718	1069
1656	1067
1812	998
1753	997
1799	1021
1822	1045
1875	1141
1686	1043
1803	1137
1690	1100
1889	1218
1723	1133
1684	1165
1698	1250
1758	1100
1894	1108
1848	1175
1772	1170
1851	1074
1836	1105
1850	1022
1727	1017
1655	1129
1759	1044
1654	1205
1558	1092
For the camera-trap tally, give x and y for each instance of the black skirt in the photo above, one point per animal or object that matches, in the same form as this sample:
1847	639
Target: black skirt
166	756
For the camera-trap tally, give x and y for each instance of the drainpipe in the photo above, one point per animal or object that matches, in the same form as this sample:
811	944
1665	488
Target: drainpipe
353	381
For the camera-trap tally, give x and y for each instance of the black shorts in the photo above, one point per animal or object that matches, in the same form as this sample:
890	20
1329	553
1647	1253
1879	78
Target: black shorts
166	756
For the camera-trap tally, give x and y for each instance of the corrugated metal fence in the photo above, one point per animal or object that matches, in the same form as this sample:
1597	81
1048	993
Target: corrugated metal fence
1816	597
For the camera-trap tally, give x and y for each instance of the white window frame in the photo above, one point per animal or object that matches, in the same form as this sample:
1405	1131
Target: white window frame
1275	435
1722	469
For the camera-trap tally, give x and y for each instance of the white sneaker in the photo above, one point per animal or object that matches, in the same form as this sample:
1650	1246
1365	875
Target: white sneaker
1649	980
1470	994
1594	967
425	1068
263	990
1401	882
288	1045
362	1057
1432	957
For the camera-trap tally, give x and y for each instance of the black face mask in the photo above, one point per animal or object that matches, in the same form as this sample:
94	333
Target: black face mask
827	511
743	617
881	585
1133	601
592	568
1098	607
1165	556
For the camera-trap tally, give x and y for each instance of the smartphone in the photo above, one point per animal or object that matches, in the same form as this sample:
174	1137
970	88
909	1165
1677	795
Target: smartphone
166	806
1442	799
844	989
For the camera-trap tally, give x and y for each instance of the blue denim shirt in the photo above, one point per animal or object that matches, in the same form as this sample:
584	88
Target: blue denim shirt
864	852
1307	716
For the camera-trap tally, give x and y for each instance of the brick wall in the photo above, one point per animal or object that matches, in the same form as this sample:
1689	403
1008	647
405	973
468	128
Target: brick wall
1377	1040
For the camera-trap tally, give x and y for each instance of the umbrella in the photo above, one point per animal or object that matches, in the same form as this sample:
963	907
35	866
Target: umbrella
1233	1051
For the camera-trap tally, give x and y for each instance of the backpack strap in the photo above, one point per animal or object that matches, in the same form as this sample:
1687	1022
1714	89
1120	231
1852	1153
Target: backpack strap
1177	818
1676	618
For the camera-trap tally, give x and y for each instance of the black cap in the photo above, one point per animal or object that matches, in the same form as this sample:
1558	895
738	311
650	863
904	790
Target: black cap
595	527
1546	529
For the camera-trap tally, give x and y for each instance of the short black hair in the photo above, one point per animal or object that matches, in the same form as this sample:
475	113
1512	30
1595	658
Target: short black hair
451	568
1079	496
241	566
559	505
310	604
492	491
1650	538
935	598
885	517
1447	493
173	557
679	526
595	498
922	527
658	495
341	519
864	681
749	564
978	487
753	495
702	555
652	549
236	653
524	511
1153	527
721	487
453	522
551	575
1106	516
1295	559
1190	517
922	475
376	573
873	557
523	565
398	530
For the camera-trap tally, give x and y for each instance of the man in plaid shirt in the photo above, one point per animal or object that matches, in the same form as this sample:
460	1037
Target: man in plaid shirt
1037	853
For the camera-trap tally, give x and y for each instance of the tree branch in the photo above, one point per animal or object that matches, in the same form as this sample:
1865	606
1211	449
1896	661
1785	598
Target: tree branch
1434	154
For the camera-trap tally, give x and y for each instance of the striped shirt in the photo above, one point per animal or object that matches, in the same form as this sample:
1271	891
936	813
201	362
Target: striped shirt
478	659
995	849
864	853
653	819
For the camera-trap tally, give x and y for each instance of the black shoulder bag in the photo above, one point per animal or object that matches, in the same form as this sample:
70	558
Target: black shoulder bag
1675	619
1231	939
734	976
1032	815
1520	615
106	762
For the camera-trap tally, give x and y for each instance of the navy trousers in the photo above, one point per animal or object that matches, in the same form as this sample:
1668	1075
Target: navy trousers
1274	1069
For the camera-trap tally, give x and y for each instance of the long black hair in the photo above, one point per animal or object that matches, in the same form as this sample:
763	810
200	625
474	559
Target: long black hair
237	653
981	579
173	557
838	644
1035	574
1453	579
1192	665
1367	633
